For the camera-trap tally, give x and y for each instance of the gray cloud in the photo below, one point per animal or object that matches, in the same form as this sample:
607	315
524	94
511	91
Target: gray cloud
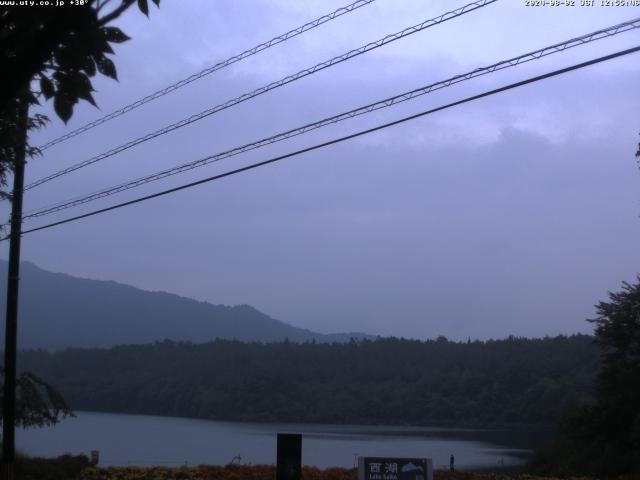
512	215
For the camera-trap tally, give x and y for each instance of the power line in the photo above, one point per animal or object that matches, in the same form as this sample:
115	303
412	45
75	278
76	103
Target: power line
284	81
537	54
207	71
341	139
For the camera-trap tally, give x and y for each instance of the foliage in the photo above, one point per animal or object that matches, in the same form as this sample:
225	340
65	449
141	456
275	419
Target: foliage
61	48
9	131
58	48
618	382
389	381
612	425
267	472
65	467
603	437
38	404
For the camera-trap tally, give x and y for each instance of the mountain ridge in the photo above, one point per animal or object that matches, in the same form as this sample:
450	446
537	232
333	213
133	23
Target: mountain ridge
101	313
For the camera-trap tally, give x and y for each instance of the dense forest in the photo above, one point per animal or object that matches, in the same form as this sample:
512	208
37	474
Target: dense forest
602	437
507	382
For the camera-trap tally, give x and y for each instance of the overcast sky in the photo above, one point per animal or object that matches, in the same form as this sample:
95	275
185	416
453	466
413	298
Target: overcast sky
514	214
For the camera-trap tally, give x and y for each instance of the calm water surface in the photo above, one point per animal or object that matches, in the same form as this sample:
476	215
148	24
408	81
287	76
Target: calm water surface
148	440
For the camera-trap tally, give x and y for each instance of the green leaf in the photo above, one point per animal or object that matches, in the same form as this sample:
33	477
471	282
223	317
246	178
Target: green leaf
37	121
31	99
82	88
63	107
115	35
46	86
88	97
73	86
69	58
89	66
106	48
144	7
106	67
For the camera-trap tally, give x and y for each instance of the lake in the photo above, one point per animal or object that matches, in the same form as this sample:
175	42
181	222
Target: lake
149	440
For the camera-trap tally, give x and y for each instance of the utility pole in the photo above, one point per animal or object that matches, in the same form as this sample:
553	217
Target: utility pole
11	327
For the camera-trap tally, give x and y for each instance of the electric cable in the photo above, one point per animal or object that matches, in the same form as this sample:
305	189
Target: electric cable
271	86
537	54
339	139
209	70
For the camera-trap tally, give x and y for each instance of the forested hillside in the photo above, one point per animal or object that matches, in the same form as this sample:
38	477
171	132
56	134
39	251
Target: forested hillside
387	381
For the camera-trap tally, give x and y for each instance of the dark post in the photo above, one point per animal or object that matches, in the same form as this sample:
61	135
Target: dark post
289	466
11	328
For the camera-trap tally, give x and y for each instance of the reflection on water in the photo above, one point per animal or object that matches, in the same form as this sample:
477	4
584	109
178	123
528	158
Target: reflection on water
148	440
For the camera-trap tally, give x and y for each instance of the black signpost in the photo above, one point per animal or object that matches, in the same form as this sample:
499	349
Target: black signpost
387	468
289	456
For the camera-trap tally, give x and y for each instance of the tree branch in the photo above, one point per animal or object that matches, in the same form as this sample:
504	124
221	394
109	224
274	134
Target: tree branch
102	4
115	13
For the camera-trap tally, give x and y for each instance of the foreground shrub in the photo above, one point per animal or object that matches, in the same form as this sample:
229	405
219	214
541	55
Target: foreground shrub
268	472
65	467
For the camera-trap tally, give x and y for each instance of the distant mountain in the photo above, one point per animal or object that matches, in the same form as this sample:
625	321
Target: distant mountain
59	311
